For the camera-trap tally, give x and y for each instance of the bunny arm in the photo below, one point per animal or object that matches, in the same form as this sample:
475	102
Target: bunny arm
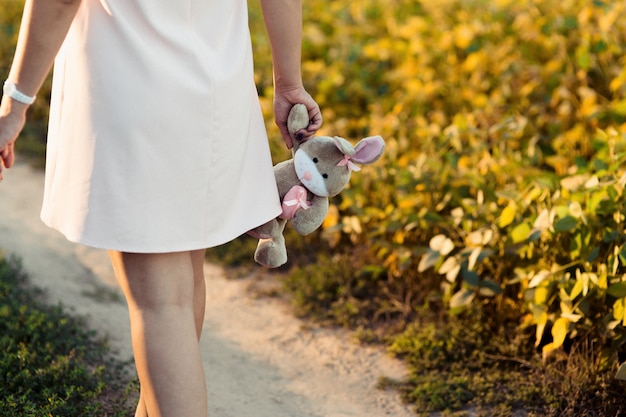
286	177
307	221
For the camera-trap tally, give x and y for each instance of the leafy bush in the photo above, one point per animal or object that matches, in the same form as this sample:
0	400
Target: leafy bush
464	361
502	184
50	365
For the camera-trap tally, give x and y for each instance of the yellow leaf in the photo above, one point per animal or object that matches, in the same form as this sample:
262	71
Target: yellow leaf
463	36
408	203
332	218
541	295
547	350
508	215
539	333
540	318
480	100
520	232
559	331
474	61
398	237
619	107
413	25
403	161
465	162
618	82
577	290
619	310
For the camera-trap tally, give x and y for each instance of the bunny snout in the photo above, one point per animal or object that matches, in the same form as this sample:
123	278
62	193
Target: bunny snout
309	175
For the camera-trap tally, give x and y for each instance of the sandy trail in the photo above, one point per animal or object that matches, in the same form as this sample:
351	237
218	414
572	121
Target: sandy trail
260	361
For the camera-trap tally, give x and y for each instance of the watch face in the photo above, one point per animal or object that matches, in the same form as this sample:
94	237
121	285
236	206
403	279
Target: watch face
9	88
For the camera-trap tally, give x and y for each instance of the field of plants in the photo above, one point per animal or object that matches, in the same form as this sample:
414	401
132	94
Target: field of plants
499	208
487	247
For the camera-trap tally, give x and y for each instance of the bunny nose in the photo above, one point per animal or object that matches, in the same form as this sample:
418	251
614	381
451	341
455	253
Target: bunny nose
308	176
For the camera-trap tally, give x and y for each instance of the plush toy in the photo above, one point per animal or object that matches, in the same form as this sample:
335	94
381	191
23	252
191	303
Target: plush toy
320	168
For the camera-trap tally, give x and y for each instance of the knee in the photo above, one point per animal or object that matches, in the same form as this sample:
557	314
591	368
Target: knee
156	281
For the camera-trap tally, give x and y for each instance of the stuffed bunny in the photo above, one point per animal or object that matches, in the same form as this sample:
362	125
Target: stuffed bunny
320	168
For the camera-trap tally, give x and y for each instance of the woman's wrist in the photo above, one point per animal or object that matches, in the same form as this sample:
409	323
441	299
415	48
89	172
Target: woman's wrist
10	90
288	83
9	106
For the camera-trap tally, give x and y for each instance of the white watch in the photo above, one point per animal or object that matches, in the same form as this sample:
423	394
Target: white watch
10	90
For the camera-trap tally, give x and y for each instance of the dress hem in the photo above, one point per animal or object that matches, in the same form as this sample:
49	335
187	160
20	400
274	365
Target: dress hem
182	247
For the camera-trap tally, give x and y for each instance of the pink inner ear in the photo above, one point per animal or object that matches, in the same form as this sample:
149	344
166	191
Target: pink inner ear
368	150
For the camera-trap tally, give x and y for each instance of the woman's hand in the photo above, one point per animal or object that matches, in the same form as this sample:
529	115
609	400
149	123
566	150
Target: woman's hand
284	100
283	21
12	119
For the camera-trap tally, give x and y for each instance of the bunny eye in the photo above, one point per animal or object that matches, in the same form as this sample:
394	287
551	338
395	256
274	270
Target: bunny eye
315	160
324	176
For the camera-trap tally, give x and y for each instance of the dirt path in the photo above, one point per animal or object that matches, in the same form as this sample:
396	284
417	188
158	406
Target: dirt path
260	361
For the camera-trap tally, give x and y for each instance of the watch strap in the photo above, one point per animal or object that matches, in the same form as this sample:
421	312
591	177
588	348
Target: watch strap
10	89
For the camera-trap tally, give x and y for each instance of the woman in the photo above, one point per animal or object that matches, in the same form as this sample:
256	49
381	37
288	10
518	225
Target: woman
156	151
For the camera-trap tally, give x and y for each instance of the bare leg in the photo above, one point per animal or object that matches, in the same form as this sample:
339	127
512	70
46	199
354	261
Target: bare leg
199	289
141	405
199	304
160	292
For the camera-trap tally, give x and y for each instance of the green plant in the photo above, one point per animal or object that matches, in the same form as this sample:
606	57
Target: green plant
501	188
50	364
328	289
555	246
460	361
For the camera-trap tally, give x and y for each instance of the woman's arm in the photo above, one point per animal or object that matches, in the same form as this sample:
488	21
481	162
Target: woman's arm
44	26
283	20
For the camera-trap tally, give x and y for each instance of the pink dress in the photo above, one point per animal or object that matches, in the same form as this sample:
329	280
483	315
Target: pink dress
156	138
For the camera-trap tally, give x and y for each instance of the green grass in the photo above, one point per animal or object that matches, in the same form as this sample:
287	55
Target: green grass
51	365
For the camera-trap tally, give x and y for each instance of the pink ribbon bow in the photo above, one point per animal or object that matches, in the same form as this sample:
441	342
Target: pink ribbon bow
294	200
347	162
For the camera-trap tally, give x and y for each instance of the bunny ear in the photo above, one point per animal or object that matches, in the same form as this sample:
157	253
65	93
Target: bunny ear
368	150
344	146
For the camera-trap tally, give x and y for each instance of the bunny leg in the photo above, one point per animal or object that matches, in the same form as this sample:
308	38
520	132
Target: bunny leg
263	231
272	252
